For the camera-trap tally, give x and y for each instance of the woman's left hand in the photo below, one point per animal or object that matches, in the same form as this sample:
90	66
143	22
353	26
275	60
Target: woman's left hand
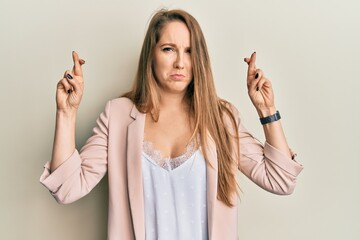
259	89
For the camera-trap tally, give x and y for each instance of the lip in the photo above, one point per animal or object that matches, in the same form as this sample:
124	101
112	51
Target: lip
177	76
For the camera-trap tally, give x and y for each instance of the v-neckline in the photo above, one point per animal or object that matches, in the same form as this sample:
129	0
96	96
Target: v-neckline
167	163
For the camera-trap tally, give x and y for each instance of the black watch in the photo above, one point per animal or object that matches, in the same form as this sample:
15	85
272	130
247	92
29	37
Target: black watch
271	118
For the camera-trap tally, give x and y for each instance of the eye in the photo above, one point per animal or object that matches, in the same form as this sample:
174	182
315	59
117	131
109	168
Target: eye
188	50
167	49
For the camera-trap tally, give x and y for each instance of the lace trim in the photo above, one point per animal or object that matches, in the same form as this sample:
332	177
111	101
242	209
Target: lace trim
169	163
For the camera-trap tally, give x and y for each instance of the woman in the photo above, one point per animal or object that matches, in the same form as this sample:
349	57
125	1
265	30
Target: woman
171	146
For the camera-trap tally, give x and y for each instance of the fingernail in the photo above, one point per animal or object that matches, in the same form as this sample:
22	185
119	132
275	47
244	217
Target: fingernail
69	76
257	88
256	75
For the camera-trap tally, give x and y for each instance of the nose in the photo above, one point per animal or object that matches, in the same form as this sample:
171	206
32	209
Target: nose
179	62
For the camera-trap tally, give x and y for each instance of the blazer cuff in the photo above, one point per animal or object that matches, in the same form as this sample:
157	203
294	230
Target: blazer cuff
54	180
280	159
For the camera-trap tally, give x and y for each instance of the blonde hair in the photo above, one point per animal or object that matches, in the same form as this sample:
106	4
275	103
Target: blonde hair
209	111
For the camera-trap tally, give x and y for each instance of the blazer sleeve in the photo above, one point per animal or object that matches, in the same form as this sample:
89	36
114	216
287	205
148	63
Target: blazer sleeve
265	165
80	173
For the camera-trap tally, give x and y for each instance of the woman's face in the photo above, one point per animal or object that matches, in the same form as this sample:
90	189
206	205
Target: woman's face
172	60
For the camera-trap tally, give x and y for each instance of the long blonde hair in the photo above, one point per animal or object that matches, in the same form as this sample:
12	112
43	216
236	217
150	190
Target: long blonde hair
209	111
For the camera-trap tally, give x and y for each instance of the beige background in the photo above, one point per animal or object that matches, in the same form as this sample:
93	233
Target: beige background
309	49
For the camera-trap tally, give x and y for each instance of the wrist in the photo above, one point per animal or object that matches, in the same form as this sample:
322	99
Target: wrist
66	114
265	112
271	118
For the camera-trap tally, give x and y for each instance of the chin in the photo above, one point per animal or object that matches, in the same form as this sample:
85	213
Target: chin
177	89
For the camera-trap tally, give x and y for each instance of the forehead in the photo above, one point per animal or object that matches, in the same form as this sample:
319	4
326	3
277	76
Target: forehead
175	32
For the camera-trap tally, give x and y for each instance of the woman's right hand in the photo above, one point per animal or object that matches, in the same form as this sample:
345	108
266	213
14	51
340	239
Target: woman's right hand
70	88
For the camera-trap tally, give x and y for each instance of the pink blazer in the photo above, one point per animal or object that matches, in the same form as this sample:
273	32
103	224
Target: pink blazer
115	148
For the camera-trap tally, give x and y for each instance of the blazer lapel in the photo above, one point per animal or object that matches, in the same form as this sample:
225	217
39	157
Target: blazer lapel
134	171
211	180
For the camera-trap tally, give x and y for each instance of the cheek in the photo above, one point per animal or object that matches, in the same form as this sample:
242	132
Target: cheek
189	65
190	70
159	71
160	64
155	67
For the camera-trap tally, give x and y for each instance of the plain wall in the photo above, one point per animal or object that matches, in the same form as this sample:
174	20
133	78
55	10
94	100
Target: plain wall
309	49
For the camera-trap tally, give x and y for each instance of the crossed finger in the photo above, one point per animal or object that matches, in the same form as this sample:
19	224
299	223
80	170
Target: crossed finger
251	62
77	70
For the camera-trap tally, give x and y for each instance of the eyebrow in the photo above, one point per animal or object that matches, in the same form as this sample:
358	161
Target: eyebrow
171	44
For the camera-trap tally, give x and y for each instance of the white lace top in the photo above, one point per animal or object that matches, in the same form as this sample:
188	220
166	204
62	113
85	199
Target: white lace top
174	195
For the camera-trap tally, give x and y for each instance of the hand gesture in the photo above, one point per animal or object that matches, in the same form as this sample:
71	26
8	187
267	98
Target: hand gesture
70	88
259	88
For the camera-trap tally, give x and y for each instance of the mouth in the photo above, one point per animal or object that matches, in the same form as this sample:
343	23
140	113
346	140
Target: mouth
177	76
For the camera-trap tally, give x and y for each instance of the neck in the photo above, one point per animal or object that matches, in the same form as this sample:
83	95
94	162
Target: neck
173	102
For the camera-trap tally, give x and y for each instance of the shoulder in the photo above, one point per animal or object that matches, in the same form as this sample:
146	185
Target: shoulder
120	107
229	108
121	104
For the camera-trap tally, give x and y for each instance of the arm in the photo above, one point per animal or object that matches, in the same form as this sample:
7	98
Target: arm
79	173
64	138
262	96
70	175
68	96
265	165
274	134
271	166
